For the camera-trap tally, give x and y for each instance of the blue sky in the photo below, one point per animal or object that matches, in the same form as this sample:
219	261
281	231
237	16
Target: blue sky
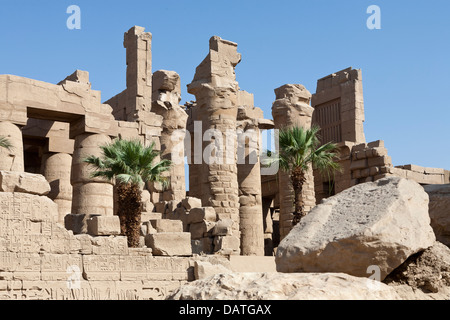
405	64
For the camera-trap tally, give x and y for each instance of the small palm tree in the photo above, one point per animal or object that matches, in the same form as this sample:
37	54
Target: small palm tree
300	148
130	164
5	143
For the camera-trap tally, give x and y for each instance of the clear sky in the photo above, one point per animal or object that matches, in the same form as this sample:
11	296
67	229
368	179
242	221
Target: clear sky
405	64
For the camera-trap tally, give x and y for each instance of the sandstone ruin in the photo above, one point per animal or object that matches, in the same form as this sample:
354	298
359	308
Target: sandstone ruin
59	229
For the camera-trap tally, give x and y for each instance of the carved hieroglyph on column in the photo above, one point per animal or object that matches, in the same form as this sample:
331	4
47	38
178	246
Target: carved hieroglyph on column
11	160
215	88
90	195
166	98
291	108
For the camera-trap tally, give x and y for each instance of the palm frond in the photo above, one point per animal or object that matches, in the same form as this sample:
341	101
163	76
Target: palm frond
128	161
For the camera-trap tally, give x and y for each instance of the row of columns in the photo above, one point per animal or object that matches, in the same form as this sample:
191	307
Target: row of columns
72	187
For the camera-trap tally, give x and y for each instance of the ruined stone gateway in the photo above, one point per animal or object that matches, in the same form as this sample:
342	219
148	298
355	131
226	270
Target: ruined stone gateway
59	229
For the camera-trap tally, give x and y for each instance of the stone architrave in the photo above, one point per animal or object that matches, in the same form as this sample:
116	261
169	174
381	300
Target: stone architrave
215	88
291	108
166	98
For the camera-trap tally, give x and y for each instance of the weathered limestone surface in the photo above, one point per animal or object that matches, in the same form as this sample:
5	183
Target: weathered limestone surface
215	88
339	106
279	286
291	108
378	223
72	100
13	181
56	168
11	160
420	174
90	195
424	275
103	225
166	98
40	259
249	176
439	210
170	243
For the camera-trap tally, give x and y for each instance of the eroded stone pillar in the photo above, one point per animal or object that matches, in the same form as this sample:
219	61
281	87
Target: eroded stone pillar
56	168
11	160
215	88
249	177
90	195
166	98
291	108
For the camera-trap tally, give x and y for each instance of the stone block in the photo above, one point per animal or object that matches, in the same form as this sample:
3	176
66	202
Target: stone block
380	161
379	152
166	225
112	245
439	171
227	245
169	243
205	269
253	264
197	215
359	147
413	167
201	229
103	225
77	223
376	144
161	206
191	202
223	227
147	216
358	164
11	181
203	245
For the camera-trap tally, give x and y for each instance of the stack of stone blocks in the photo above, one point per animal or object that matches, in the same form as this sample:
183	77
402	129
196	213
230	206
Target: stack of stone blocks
370	162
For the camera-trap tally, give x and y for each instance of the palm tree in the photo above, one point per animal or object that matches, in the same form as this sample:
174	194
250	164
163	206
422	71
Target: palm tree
130	164
5	143
299	149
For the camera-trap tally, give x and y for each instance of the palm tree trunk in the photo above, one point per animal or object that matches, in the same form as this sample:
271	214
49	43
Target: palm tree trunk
298	178
129	210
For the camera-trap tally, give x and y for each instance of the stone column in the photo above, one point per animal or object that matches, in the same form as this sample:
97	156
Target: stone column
11	160
138	46
56	168
90	195
249	176
215	89
249	179
291	108
166	98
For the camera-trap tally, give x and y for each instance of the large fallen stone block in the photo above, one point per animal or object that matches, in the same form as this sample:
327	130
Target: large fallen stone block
371	226
169	243
439	210
11	181
279	286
